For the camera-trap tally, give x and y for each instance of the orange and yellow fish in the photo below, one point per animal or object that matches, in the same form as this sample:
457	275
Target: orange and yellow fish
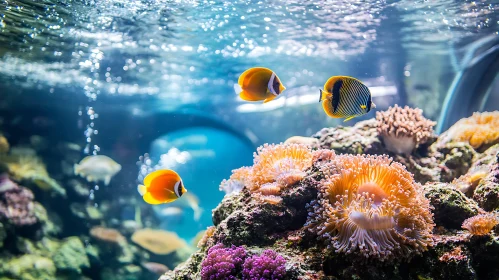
161	186
260	83
345	97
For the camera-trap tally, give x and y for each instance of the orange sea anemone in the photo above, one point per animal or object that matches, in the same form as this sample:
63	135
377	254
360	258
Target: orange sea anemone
479	130
371	205
284	164
481	224
402	129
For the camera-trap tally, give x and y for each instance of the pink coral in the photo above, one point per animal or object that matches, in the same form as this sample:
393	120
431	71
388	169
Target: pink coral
402	129
16	203
372	205
222	263
268	265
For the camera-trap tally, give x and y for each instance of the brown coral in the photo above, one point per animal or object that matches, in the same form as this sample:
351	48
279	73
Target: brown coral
402	129
372	205
468	182
108	235
481	224
481	130
4	144
205	235
159	242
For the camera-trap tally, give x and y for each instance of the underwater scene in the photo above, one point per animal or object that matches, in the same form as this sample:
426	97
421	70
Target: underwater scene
249	139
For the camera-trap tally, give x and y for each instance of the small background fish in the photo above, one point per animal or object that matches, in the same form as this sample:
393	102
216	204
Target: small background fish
97	168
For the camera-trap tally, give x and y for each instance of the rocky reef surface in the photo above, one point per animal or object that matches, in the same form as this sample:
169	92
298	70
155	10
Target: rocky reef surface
383	199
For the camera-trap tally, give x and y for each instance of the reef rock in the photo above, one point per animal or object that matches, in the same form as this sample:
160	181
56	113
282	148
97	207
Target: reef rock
285	217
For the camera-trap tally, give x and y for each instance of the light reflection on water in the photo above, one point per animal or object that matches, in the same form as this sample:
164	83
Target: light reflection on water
185	51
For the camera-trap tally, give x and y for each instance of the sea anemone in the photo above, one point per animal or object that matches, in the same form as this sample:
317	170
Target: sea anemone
371	205
237	180
480	130
481	224
222	263
281	163
402	129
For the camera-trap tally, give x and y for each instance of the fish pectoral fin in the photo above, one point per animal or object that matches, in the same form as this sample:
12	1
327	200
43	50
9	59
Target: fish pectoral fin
107	180
363	106
245	95
269	99
349	118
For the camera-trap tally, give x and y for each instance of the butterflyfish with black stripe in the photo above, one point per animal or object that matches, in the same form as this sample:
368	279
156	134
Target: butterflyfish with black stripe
161	186
260	83
345	97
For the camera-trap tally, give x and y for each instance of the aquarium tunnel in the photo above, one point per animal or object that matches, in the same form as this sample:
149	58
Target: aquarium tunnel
161	139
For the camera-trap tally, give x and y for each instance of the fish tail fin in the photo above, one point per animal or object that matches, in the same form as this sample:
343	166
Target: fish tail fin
76	169
245	95
142	189
373	105
269	99
323	95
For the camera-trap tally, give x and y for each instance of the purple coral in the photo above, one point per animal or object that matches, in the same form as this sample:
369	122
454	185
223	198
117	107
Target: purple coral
268	265
16	203
222	263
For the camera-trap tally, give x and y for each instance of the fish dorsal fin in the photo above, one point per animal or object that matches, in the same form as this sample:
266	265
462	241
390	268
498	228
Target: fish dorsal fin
336	94
151	176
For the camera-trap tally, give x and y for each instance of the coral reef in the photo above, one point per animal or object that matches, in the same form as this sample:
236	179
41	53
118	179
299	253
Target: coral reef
52	228
402	129
430	160
357	210
480	130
